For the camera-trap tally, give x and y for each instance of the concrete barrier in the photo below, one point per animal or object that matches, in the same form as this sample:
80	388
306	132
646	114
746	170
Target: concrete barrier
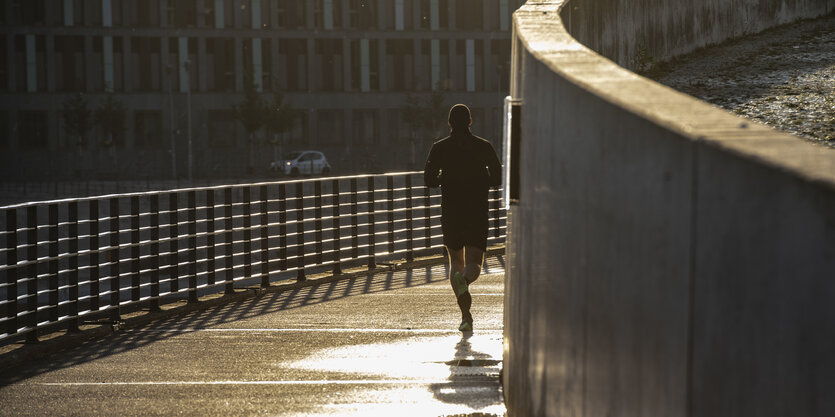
665	258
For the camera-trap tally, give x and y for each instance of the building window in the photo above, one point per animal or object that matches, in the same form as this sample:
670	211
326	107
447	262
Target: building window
500	60
292	69
291	14
469	14
221	129
147	129
183	14
31	129
142	13
246	13
364	126
330	125
229	13
145	62
29	12
329	62
400	62
363	14
220	54
69	62
4	62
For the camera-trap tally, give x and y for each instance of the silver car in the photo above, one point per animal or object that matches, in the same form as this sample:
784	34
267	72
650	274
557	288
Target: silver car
302	163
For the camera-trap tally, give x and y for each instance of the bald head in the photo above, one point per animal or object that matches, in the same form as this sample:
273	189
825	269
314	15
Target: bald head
459	116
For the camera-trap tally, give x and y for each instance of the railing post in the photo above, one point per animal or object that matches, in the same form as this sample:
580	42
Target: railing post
134	249
427	221
355	230
53	263
337	256
32	273
410	255
247	232
282	227
210	236
72	264
318	223
114	259
174	235
154	304
265	235
94	254
228	238
496	212
300	276
390	193
372	227
192	246
12	272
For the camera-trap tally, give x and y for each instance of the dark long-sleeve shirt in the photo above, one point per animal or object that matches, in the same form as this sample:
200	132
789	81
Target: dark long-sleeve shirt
465	167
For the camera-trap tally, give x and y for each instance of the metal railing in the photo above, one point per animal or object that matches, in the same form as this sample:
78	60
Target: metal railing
67	262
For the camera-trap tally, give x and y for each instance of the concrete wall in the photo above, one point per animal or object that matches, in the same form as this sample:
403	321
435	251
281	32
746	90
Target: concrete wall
666	258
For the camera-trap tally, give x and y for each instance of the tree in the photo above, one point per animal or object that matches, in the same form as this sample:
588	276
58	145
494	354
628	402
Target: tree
251	112
78	119
424	116
110	116
278	118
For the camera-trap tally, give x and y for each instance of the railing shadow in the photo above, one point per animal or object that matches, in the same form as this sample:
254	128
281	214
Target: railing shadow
140	336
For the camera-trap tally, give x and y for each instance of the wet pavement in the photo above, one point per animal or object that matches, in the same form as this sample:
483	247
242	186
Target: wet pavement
783	77
367	346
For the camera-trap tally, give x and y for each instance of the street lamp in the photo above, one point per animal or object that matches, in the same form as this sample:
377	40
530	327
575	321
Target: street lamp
187	66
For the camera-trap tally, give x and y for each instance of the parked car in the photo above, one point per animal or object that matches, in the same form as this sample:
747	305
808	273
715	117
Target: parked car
302	163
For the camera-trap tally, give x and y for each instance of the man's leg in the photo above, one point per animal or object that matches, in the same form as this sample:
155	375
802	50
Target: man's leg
457	265
474	259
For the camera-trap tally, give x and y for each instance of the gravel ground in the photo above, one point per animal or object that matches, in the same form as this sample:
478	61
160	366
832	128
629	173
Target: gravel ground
783	77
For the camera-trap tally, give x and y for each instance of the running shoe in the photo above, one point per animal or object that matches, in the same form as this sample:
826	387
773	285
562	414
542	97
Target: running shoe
465	326
459	283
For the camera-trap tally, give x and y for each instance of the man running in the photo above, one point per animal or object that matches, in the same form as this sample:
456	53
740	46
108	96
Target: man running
465	167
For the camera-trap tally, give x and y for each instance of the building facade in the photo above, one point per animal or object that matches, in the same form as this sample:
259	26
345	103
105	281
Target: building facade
348	68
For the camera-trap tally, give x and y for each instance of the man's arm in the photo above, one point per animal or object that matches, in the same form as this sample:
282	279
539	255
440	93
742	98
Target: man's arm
432	170
494	167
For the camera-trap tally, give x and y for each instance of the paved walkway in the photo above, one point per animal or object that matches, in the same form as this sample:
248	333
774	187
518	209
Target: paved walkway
381	345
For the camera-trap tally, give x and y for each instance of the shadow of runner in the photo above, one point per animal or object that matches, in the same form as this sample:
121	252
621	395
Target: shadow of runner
139	336
473	379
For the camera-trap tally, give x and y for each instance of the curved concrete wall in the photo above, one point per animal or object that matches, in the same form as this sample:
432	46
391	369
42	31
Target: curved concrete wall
666	258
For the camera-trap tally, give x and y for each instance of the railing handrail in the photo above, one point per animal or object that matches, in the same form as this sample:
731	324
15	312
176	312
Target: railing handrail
204	188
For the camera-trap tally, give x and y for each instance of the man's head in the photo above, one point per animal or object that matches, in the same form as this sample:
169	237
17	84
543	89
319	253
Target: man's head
459	117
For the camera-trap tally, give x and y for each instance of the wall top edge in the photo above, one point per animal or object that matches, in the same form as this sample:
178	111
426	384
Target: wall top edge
539	29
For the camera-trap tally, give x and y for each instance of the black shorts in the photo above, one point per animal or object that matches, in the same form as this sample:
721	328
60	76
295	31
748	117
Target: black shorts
464	229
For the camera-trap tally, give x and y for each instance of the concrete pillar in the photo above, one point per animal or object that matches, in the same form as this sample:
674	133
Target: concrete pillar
327	14
470	58
182	57
417	69
255	17
219	22
434	19
50	63
346	64
106	13
365	66
346	13
435	63
398	15
257	67
202	65
504	15
163	63
31	65
107	61
127	71
69	19
239	66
